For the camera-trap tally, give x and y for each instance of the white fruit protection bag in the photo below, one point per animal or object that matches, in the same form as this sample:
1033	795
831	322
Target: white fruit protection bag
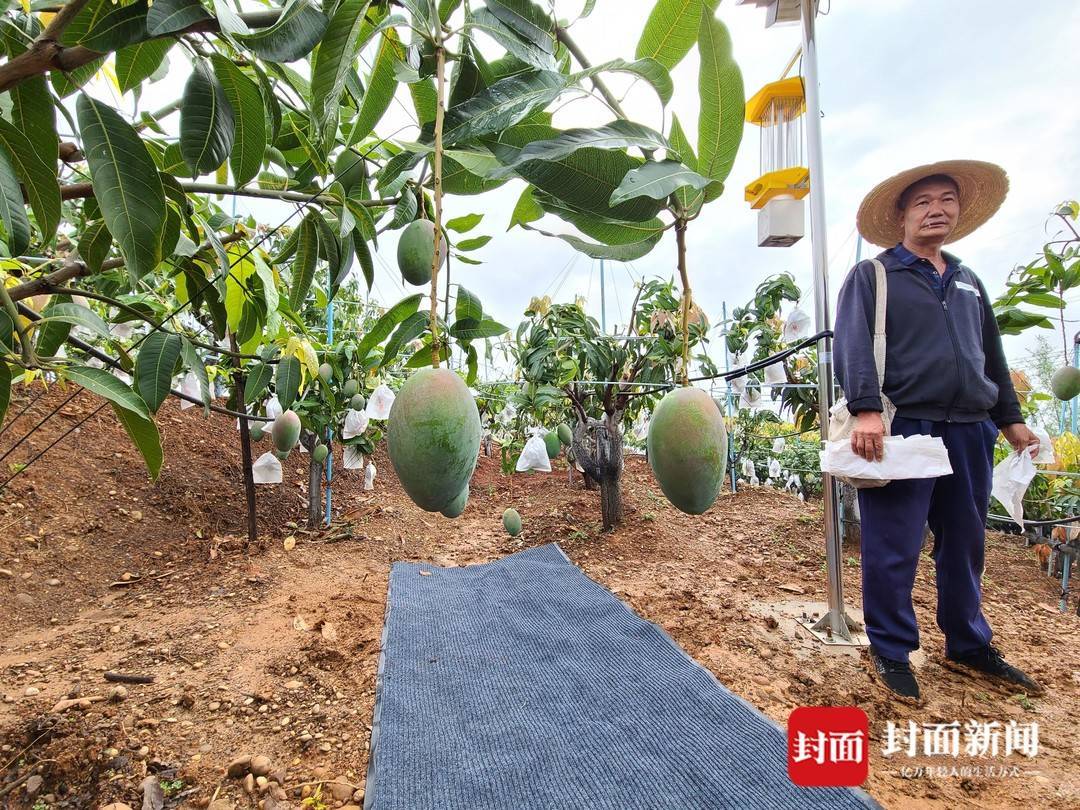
534	456
378	406
903	457
266	469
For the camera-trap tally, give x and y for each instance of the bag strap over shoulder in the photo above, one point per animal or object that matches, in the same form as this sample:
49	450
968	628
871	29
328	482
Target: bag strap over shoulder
881	299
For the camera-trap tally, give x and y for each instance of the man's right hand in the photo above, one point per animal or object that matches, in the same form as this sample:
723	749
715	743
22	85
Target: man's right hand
868	436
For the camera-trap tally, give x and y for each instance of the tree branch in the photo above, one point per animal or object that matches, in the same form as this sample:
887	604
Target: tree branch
47	54
74	191
75	269
564	37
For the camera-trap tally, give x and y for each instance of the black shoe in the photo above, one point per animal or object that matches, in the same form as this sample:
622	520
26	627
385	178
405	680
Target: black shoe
896	675
989	661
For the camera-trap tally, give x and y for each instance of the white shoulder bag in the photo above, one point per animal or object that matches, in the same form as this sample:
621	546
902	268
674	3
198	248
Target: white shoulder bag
841	420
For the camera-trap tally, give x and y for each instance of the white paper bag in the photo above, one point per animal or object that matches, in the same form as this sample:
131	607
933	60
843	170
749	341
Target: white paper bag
356	422
379	403
352	458
1046	447
369	477
774	468
189	386
534	456
778	445
750	398
775	374
1011	479
797	326
747	466
506	415
266	469
273	407
903	457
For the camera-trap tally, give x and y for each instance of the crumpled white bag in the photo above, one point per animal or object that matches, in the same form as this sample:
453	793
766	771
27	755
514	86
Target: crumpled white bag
737	385
379	403
356	422
534	456
775	374
273	407
352	458
903	457
1046	447
369	477
797	326
189	385
506	415
266	469
774	468
778	445
751	398
747	466
768	482
1012	475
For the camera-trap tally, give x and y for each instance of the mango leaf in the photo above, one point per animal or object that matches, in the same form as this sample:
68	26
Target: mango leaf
12	209
608	231
723	103
51	336
300	28
475	243
104	384
363	256
258	378
672	29
472	330
647	68
42	188
404	211
94	244
410	328
307	256
137	63
616	135
144	434
425	99
467	306
118	27
287	380
154	366
526	209
527	20
464	224
657	180
621	253
382	328
380	87
126	185
5	389
469	76
482	19
76	315
249	119
206	122
195	364
503	104
167	16
334	60
33	115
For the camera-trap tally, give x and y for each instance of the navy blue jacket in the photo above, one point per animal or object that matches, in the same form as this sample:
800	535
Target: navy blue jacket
943	359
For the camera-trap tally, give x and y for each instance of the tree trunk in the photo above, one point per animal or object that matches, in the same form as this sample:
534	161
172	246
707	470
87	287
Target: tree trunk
245	448
315	476
598	447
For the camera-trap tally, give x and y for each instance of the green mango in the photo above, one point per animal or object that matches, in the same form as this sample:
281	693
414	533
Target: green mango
433	437
318	455
687	449
457	506
416	251
1066	383
286	431
349	169
357	403
552	444
566	436
350	388
512	522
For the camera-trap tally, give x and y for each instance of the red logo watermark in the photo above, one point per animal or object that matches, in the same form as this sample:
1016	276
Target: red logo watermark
828	746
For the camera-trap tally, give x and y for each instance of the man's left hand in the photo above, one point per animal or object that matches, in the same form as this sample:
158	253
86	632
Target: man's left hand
1020	437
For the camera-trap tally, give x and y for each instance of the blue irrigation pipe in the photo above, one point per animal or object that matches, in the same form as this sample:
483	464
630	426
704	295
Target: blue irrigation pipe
730	399
1076	362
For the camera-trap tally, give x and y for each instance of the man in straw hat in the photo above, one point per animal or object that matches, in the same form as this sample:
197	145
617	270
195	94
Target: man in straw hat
945	372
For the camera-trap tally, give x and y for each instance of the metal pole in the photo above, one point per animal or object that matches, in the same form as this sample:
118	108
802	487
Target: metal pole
1076	362
603	301
329	430
835	622
729	397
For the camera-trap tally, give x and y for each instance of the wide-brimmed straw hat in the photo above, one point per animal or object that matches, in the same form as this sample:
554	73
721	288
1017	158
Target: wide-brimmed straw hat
982	190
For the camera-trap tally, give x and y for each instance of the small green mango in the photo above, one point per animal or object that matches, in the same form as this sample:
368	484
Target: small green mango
566	436
350	388
326	372
350	169
357	402
286	431
552	444
1066	383
319	454
256	431
416	251
512	522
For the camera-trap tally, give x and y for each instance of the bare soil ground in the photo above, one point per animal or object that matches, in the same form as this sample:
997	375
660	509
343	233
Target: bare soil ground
272	650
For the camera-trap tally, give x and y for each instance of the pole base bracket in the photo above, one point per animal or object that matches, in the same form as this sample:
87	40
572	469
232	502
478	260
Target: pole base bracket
835	628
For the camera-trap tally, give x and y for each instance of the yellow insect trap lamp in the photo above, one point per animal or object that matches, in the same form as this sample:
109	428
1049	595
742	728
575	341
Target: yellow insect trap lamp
778	109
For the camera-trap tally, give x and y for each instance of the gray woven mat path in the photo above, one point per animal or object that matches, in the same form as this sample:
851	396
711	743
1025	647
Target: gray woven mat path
522	684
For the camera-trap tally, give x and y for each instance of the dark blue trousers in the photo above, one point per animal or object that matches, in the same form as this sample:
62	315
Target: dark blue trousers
893	518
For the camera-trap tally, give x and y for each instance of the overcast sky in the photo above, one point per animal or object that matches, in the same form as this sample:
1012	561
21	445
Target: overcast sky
902	82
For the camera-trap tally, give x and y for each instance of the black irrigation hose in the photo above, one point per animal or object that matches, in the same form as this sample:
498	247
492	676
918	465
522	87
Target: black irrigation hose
727	376
1057	522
